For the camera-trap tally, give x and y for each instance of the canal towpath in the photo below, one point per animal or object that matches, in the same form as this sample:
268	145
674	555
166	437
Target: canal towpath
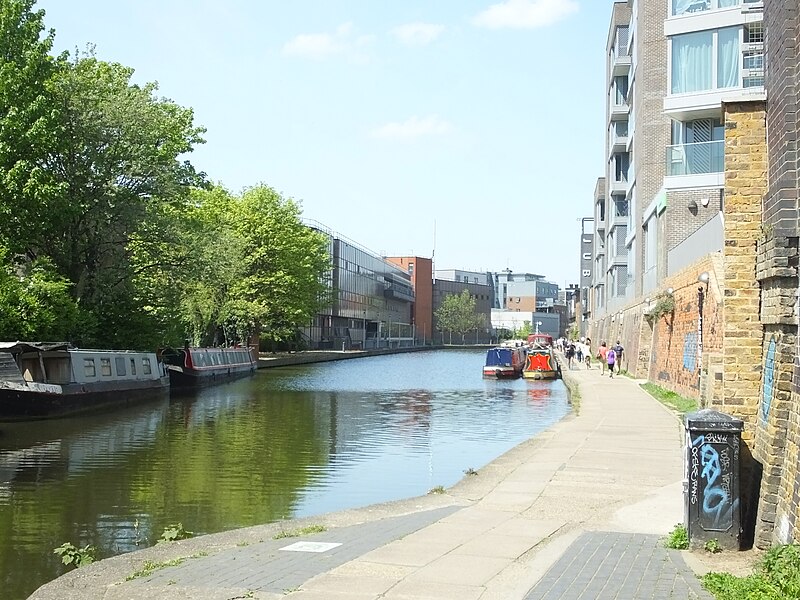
579	511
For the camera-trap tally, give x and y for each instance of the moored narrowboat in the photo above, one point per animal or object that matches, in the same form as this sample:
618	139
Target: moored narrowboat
192	367
541	363
44	380
504	362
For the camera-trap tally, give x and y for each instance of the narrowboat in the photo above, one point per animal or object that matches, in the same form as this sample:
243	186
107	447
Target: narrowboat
505	362
44	380
540	339
541	363
198	367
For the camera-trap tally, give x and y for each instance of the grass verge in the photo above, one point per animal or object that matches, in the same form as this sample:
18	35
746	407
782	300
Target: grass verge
310	530
670	398
777	577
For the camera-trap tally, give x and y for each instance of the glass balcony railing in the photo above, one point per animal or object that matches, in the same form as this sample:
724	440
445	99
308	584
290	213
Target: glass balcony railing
696	159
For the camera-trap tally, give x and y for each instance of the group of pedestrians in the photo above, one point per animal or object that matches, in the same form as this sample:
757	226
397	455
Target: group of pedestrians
610	357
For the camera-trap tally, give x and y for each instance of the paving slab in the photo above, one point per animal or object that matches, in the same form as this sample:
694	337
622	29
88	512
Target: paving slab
619	566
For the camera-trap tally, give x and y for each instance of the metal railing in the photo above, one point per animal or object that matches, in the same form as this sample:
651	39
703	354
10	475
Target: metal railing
697	158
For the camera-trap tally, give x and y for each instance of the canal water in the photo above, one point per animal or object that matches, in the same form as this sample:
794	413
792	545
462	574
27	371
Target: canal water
288	442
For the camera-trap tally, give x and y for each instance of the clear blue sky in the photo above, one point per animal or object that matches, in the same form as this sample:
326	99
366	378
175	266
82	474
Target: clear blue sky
387	120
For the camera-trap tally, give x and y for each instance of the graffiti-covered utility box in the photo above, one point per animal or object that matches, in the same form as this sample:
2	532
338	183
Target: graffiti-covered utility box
712	503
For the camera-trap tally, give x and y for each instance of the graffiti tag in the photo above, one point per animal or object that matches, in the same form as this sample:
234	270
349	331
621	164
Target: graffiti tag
715	471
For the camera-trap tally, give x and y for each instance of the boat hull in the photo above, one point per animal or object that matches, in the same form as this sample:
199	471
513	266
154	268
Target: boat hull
500	373
32	402
182	378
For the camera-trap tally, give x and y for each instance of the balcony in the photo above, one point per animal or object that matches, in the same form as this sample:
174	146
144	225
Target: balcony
618	185
696	159
618	137
619	109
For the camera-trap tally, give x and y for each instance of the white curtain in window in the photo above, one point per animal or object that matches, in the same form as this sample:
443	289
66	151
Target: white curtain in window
692	56
728	61
680	6
727	3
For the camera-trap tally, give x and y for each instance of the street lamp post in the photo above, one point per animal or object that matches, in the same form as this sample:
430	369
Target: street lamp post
538	323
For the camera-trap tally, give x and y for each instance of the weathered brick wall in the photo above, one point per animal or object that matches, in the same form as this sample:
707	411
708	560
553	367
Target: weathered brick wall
667	350
778	435
745	185
679	347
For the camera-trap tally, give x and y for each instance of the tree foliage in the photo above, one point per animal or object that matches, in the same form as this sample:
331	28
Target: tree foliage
458	314
112	237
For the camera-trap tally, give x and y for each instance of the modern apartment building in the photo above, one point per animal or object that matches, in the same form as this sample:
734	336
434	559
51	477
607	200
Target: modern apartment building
671	67
715	55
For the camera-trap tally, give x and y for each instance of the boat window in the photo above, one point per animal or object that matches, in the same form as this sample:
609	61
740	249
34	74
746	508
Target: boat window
226	358
105	367
88	367
133	366
215	358
146	366
120	364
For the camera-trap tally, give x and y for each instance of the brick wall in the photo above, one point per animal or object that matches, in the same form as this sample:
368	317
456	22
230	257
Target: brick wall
683	221
782	27
667	350
778	435
652	127
679	344
745	184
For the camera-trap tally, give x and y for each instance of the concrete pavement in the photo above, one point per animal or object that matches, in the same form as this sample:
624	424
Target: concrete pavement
576	512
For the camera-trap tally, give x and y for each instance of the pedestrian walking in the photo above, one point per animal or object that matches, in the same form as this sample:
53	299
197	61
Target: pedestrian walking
587	353
618	350
579	354
570	354
601	356
611	359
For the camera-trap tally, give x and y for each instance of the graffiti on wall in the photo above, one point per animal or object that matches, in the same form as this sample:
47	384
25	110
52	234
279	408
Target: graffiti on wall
690	351
769	380
711	463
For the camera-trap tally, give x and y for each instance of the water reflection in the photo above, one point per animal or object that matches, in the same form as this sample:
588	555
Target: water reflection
285	443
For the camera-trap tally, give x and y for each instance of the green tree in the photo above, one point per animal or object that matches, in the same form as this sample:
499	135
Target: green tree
118	163
35	302
286	265
458	314
29	117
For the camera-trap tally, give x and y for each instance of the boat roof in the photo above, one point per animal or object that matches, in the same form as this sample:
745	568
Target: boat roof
17	347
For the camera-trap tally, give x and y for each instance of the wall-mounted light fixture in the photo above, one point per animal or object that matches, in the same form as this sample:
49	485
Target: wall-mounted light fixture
703	277
693	205
670	291
704	201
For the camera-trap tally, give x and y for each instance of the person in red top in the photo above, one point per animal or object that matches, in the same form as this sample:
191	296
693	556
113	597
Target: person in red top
601	356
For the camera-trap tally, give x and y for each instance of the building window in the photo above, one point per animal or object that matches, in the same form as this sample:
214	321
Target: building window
697	67
683	7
